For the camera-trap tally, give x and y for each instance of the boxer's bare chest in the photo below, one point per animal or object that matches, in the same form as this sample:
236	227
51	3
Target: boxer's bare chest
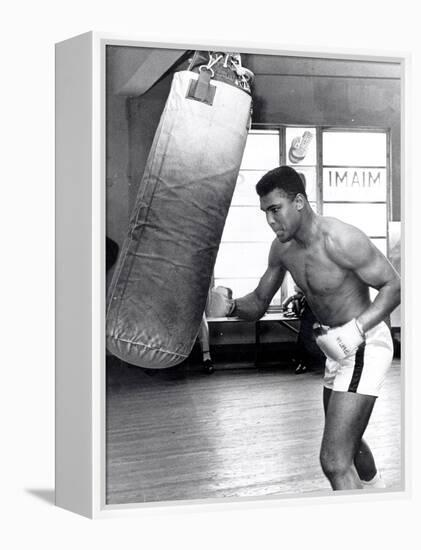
314	271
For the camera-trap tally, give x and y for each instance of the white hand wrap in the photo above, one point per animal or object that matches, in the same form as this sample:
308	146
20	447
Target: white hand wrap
220	303
340	342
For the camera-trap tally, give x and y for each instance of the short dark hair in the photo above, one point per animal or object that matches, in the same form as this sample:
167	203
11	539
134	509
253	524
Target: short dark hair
284	178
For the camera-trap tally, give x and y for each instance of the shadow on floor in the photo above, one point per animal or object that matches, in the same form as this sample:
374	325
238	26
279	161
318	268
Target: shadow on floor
47	495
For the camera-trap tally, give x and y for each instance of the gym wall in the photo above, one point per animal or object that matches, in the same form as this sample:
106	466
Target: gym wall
331	92
287	90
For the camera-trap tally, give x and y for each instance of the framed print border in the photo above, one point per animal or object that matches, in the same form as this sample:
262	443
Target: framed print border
81	281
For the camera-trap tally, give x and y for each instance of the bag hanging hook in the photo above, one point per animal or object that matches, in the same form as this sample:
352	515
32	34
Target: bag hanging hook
212	61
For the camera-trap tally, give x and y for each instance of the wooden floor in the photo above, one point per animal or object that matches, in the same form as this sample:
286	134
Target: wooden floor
237	433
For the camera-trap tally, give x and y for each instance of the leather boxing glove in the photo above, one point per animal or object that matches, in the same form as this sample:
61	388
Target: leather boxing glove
220	302
339	342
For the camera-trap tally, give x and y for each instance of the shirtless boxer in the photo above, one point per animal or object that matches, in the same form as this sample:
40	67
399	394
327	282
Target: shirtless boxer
334	264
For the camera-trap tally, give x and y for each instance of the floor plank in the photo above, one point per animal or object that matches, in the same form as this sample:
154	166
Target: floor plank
244	432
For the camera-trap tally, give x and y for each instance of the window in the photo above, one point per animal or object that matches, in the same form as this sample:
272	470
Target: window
355	180
354	186
347	178
246	240
301	153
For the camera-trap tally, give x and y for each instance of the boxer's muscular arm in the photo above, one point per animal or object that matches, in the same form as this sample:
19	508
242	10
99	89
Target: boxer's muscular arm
254	305
352	249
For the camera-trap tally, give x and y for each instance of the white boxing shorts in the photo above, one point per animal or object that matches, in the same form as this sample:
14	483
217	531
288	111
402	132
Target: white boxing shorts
365	370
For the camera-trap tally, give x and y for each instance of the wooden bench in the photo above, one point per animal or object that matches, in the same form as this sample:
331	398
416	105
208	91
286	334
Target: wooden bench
278	317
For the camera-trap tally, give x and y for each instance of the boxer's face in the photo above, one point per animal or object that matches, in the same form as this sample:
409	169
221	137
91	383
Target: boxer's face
282	214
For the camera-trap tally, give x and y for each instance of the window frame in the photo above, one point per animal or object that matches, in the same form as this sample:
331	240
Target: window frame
319	166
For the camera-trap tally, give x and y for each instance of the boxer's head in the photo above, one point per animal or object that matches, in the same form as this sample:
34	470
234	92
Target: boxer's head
284	178
283	198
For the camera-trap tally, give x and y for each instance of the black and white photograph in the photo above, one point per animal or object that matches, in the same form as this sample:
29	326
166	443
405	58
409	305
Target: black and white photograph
253	275
210	275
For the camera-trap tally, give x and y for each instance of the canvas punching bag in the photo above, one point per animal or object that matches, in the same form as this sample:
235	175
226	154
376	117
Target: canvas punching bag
161	281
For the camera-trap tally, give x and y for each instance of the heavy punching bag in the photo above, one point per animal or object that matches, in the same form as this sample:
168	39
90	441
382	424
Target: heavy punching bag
161	281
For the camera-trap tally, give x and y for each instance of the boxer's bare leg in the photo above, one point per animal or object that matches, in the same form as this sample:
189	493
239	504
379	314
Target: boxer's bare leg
364	462
363	459
347	416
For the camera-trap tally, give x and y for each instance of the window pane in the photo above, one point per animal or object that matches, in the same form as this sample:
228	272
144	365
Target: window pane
314	207
354	184
370	218
245	188
276	300
239	287
381	245
288	286
247	224
262	151
310	176
301	146
354	148
239	261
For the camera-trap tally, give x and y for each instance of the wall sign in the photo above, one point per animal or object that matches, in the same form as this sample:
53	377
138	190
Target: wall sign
354	184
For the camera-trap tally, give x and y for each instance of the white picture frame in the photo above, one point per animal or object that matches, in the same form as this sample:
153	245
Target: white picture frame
80	266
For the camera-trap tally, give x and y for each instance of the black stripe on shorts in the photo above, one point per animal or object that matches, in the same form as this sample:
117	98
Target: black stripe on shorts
358	369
